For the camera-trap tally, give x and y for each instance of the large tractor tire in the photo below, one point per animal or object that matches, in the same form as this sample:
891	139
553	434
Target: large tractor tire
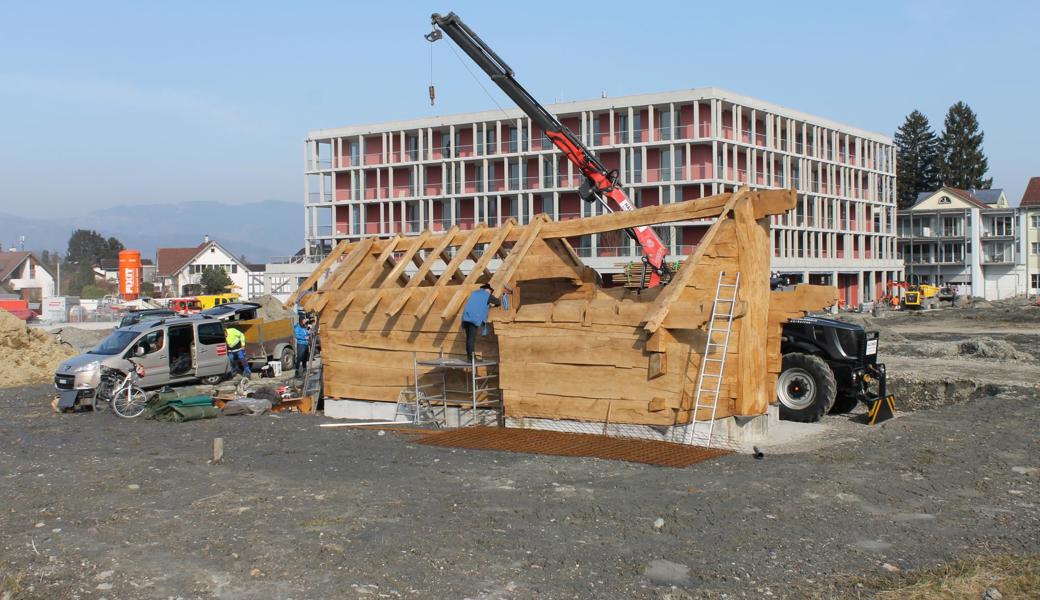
805	388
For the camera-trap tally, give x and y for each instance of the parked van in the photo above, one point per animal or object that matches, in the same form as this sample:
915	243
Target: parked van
210	300
173	350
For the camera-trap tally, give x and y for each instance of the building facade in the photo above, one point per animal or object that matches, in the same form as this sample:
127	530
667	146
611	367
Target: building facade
179	269
1030	207
23	274
406	176
970	240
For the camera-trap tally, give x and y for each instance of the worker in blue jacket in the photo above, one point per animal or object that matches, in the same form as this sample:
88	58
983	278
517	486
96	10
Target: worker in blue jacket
475	314
303	345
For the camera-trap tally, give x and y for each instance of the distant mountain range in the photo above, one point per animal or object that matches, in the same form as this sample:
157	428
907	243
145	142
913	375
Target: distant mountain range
259	230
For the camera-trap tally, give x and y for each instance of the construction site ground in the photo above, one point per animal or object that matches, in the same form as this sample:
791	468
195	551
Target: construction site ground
95	506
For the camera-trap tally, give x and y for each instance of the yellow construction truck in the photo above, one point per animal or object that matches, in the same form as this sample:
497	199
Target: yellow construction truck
926	296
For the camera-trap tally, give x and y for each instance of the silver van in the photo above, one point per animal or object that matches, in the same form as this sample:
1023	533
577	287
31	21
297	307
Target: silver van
172	350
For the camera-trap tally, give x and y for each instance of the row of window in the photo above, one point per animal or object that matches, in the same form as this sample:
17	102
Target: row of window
197	269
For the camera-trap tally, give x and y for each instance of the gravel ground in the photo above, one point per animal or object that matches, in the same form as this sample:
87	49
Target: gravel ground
99	507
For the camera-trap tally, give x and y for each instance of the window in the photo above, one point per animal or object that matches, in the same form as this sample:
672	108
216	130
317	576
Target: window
951	226
1003	226
1034	221
548	180
480	141
151	342
664	128
279	284
234	268
944	200
666	165
445	142
595	131
491	149
492	186
636	167
412	147
1034	280
622	129
637	122
211	333
513	139
355	152
514	175
1034	248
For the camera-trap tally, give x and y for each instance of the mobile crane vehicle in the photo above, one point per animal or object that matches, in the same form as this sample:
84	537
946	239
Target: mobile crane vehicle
827	364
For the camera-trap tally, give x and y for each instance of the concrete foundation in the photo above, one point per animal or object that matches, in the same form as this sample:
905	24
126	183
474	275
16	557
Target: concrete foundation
738	433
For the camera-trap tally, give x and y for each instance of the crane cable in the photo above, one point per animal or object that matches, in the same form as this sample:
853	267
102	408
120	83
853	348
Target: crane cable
475	78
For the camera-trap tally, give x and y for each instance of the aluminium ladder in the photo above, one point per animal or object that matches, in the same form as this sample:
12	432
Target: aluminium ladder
713	362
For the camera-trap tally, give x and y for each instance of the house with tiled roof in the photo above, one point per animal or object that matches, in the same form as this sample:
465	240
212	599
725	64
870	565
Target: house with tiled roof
1030	207
24	274
971	240
179	270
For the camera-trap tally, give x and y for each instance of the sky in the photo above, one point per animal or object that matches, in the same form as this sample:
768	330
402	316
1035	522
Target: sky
110	103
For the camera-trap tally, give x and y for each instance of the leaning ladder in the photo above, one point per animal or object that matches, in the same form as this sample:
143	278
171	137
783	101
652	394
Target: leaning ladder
713	363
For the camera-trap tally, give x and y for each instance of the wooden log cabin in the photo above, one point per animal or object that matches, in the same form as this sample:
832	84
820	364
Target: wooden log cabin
567	348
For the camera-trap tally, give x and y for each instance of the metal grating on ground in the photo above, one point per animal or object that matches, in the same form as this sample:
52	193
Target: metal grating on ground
558	443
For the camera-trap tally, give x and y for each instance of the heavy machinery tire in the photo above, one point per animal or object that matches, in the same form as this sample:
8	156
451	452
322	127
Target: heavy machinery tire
288	359
843	403
805	388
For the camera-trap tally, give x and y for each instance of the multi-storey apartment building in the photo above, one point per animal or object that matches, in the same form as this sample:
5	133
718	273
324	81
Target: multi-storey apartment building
405	176
1030	207
971	240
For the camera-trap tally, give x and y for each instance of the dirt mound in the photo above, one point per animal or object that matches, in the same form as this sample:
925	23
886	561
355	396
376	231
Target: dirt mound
991	348
271	309
977	348
84	339
27	355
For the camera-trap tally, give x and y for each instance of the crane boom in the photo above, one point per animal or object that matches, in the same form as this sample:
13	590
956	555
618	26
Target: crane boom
600	184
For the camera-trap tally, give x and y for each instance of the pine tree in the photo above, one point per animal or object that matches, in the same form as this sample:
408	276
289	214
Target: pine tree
962	163
916	161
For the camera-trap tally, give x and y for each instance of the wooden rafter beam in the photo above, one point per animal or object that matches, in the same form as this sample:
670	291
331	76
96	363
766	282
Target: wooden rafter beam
318	272
345	269
461	253
516	254
398	269
659	310
478	269
424	271
373	272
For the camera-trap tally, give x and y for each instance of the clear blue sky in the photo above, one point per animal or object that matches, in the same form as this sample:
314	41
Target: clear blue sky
108	103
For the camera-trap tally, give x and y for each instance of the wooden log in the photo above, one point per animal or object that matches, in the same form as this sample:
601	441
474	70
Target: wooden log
753	257
461	255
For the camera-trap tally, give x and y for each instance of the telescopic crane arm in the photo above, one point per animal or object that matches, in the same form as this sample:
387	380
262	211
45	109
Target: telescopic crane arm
600	184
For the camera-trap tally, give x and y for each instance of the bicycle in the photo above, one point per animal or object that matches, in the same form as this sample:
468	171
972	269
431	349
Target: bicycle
57	335
127	399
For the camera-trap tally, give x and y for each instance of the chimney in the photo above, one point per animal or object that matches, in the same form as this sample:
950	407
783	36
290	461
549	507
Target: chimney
205	239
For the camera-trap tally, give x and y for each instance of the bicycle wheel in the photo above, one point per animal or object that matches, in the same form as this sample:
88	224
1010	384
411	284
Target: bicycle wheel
129	401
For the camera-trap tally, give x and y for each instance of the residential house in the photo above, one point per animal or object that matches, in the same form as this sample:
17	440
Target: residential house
177	269
24	274
953	237
1030	208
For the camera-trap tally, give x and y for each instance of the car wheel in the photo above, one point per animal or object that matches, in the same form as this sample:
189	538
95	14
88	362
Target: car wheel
805	388
288	360
212	379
